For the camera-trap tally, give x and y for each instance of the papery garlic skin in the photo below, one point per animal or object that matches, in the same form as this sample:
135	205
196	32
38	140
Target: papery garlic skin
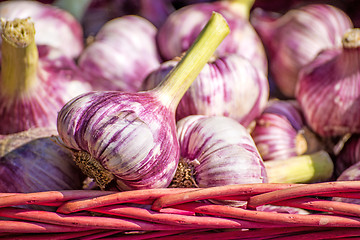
295	38
54	26
328	90
220	150
122	54
182	26
279	130
37	163
227	86
114	128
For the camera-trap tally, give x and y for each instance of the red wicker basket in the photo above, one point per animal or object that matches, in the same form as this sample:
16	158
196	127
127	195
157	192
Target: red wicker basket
173	213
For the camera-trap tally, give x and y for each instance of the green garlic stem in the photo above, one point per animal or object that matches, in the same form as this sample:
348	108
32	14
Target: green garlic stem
19	56
309	168
176	83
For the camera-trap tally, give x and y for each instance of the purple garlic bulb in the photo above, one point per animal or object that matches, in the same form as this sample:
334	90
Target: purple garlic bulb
280	132
349	154
182	26
35	82
128	140
54	27
292	40
36	162
227	86
328	89
216	151
121	55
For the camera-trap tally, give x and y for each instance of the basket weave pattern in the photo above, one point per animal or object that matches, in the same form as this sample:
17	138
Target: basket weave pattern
178	213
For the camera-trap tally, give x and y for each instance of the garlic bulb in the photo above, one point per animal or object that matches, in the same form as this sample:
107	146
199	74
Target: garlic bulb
295	38
328	89
216	151
35	82
129	139
122	54
182	26
33	161
349	154
280	132
227	86
54	26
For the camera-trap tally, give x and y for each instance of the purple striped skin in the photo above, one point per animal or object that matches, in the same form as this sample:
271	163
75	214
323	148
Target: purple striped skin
54	26
39	164
223	149
229	86
349	154
328	91
182	26
289	109
59	80
294	39
276	130
123	53
132	135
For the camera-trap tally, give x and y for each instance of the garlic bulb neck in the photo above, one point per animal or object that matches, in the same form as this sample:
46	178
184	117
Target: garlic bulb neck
351	38
242	6
176	83
19	56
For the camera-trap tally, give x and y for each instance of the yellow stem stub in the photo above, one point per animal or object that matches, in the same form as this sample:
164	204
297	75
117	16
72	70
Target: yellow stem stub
309	168
19	57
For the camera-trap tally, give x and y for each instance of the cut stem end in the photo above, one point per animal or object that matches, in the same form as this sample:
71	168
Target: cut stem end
19	57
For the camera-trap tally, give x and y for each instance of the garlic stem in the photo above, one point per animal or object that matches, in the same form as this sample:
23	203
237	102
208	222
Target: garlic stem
307	168
180	78
19	56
